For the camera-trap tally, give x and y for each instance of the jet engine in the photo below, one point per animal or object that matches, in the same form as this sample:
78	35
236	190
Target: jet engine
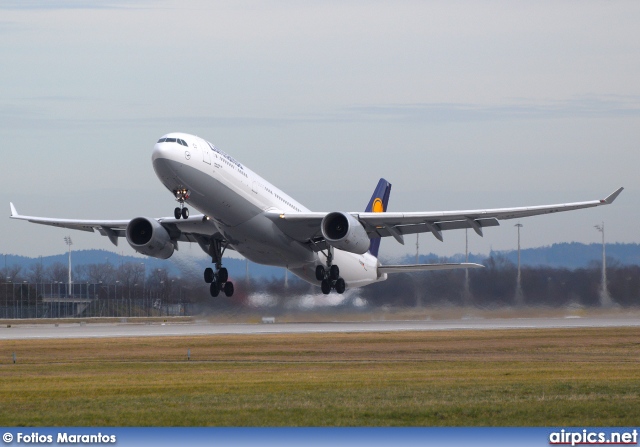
148	237
343	231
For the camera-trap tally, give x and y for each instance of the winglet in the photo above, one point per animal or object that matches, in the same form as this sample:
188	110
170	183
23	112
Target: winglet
14	213
609	200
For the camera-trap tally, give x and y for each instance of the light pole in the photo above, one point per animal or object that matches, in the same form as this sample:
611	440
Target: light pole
467	289
144	280
67	240
24	283
163	295
135	297
15	302
57	298
416	276
101	303
173	293
605	298
6	296
519	295
116	293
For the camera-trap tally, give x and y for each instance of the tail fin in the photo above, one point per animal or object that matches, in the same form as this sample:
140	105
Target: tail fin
378	204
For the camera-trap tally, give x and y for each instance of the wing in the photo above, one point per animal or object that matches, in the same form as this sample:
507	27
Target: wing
305	227
198	228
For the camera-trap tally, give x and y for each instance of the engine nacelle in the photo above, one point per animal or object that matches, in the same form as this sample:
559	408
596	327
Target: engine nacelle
148	237
343	231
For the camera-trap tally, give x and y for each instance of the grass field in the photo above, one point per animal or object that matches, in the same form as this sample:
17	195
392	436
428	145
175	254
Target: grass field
559	377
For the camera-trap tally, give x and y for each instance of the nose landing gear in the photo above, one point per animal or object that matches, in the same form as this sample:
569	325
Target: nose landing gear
181	211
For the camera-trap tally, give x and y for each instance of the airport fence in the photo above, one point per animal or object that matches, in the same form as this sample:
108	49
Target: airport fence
58	300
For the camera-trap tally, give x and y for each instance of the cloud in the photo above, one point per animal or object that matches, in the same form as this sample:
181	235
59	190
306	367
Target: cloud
70	4
7	27
20	117
588	106
24	116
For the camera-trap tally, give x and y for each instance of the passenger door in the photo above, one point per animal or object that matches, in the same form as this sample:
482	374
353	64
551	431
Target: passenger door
206	153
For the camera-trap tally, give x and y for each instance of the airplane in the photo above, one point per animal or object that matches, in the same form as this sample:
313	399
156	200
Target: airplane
241	211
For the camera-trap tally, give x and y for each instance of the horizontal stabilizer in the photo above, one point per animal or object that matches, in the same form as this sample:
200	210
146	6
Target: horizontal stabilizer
423	267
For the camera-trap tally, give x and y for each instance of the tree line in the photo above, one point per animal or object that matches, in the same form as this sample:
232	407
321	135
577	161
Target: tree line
494	285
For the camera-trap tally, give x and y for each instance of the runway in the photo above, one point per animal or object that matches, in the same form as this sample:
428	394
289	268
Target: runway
103	330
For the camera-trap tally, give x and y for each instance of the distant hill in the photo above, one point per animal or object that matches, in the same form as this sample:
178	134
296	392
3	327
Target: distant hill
566	255
175	266
571	255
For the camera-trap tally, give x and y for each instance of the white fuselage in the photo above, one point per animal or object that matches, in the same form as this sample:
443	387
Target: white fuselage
236	198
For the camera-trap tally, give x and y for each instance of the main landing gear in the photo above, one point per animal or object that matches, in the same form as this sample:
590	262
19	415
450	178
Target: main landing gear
181	196
218	280
330	277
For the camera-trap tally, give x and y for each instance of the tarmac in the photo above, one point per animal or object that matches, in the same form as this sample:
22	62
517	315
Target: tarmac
80	329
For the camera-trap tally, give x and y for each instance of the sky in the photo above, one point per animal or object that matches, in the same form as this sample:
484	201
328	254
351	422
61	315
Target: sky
459	104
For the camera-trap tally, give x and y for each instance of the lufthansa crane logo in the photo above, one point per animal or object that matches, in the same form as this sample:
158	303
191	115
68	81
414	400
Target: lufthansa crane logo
377	207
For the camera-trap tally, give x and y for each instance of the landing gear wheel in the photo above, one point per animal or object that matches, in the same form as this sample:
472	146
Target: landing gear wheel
218	279
325	286
340	285
334	272
185	213
176	213
320	273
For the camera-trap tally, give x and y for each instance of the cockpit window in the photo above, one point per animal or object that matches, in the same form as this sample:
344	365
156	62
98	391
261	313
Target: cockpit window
173	140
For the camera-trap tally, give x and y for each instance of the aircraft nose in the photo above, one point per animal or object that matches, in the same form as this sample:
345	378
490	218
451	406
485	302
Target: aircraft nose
157	151
171	148
162	151
163	159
